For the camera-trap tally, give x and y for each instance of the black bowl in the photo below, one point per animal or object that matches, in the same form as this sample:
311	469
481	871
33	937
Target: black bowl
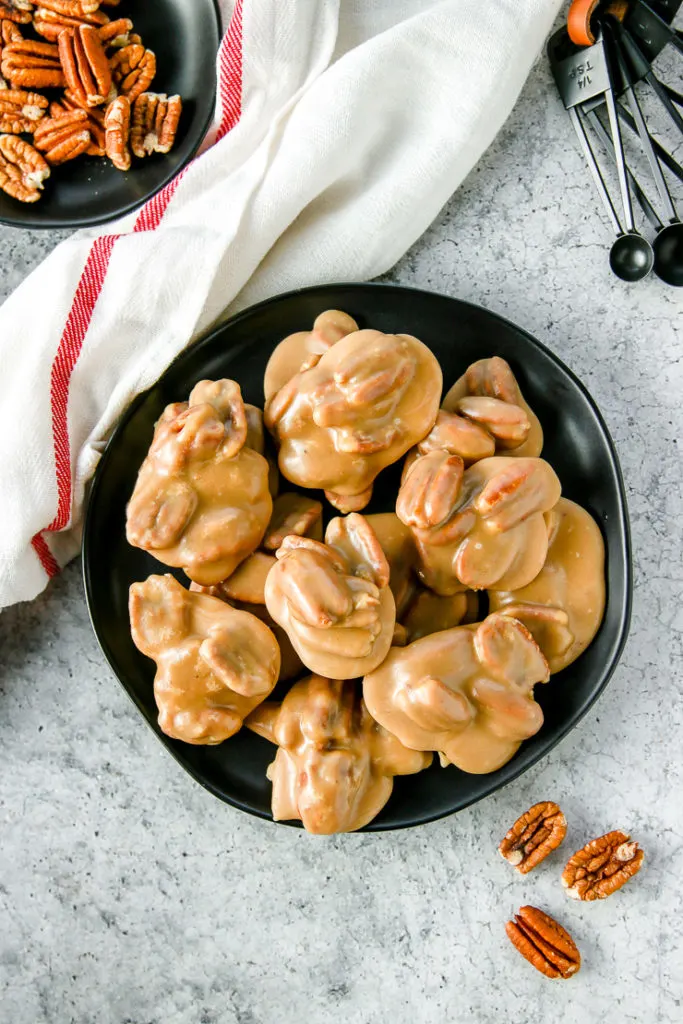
184	35
577	444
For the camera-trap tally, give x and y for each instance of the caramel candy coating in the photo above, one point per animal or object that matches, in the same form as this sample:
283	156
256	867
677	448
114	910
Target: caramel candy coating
564	605
248	582
256	440
466	692
481	527
333	599
253	601
201	501
398	545
304	349
335	765
214	664
494	380
431	613
364	403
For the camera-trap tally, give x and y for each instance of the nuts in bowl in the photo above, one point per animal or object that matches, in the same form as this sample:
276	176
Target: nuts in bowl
114	97
90	90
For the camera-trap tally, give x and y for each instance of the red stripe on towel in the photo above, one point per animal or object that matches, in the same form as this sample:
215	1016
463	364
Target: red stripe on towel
92	280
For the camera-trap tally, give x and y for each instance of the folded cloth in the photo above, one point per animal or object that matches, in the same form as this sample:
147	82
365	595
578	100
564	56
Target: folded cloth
341	130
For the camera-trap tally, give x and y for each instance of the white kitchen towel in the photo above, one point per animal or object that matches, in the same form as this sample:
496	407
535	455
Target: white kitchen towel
342	128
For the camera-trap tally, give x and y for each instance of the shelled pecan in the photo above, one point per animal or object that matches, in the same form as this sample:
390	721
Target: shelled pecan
71	8
95	122
20	110
533	836
116	34
63	138
49	23
22	169
30	64
9	31
133	69
117	132
602	866
154	123
544	943
85	65
19	11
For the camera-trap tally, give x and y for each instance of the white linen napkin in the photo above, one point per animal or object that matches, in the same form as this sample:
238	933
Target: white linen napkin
341	130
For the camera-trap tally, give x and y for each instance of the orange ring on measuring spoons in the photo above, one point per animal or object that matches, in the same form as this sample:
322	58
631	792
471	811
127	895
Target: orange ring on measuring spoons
581	14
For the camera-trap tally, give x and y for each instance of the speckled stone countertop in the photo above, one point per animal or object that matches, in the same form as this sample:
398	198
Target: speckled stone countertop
131	896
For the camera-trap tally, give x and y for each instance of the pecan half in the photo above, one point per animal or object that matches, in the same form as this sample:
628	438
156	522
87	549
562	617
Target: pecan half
71	8
95	122
49	24
133	68
154	123
602	867
30	64
63	138
22	169
533	836
85	65
430	490
18	11
544	943
20	110
9	31
117	132
116	34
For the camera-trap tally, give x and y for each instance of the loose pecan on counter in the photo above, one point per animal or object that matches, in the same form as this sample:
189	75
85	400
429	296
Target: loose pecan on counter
544	943
602	866
533	836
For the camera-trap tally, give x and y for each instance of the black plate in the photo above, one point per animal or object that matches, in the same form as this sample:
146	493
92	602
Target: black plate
577	444
184	35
